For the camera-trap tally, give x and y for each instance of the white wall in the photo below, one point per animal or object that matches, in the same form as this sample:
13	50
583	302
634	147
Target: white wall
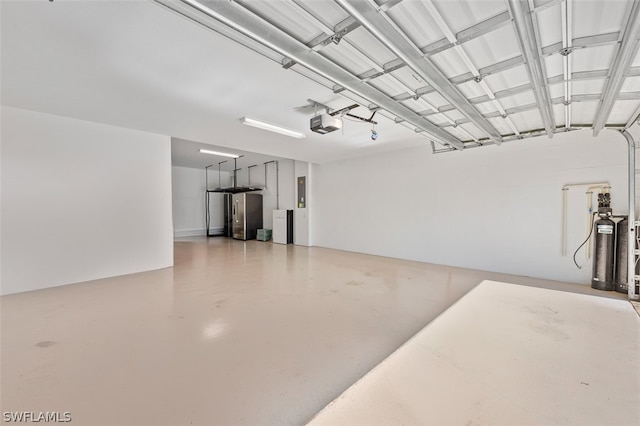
81	201
492	208
287	184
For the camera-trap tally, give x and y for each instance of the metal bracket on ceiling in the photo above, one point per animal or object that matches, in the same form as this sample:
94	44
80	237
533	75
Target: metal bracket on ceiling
447	148
567	51
327	108
366	120
335	39
346	111
287	63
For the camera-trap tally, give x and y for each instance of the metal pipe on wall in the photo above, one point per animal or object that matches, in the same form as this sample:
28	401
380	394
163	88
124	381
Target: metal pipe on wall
249	174
565	188
277	181
219	172
206	177
587	249
266	185
207	214
631	248
590	192
235	172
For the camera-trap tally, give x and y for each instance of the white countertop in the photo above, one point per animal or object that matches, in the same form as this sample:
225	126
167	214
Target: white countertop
507	354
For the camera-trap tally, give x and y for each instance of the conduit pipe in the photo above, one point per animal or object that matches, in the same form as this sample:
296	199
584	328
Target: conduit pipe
565	188
631	240
266	186
277	180
590	191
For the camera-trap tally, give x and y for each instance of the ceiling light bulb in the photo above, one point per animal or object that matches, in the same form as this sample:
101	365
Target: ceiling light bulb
271	127
223	154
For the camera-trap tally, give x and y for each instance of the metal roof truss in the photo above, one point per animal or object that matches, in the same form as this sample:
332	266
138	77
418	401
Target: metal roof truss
425	64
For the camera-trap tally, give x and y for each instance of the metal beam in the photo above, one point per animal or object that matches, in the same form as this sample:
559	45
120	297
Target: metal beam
529	46
437	47
339	31
633	72
587	97
376	23
378	71
484	27
567	47
521	136
522	108
393	65
385	5
503	93
546	4
468	34
582	42
621	63
234	16
560	100
370	75
504	18
476	31
589	75
488	70
629	96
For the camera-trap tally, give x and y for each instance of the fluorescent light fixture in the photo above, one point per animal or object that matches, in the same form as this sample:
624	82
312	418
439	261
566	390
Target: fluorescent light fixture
223	154
272	128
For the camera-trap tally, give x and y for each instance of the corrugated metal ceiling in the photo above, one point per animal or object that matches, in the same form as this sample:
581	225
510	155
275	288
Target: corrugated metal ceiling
462	73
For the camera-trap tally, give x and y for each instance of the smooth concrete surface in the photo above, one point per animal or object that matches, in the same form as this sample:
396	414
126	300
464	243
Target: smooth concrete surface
507	355
235	333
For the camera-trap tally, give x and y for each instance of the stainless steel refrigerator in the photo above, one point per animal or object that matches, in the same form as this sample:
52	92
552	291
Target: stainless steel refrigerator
246	215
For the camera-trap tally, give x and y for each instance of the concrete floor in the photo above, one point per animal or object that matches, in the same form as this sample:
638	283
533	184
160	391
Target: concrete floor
236	333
